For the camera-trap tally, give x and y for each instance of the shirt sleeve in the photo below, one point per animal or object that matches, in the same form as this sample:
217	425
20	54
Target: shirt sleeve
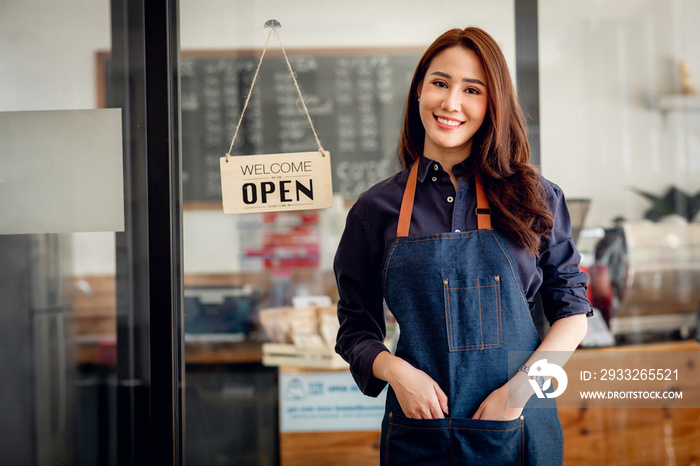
362	330
564	285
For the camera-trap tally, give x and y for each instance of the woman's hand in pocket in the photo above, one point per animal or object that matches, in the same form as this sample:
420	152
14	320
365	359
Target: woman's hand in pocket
495	407
418	394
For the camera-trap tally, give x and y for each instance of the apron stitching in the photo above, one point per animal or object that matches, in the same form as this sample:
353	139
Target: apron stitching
430	428
521	454
488	430
440	236
516	281
520	446
388	431
511	269
386	267
471	287
452	444
561	450
478	346
498	313
448	315
481	320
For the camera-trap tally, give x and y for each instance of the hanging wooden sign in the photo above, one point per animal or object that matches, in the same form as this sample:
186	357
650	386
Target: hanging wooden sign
276	182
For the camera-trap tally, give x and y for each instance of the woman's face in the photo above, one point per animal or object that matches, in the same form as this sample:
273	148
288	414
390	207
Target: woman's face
453	103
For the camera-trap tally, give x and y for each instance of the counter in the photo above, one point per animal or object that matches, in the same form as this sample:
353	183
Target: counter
592	435
598	436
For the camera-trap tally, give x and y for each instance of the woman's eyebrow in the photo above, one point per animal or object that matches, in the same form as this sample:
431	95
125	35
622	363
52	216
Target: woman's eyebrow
466	80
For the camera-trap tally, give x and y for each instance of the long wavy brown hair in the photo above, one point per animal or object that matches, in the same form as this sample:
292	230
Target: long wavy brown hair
500	152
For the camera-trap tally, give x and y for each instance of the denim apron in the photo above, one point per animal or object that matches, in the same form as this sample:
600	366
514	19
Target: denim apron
459	304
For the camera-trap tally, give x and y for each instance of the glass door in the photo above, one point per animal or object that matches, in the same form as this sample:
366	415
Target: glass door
89	234
254	283
620	135
57	268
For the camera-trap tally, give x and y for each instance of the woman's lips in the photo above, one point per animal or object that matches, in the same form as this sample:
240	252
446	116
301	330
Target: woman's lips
448	123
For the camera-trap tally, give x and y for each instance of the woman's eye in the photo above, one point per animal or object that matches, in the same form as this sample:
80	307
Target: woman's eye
472	90
440	84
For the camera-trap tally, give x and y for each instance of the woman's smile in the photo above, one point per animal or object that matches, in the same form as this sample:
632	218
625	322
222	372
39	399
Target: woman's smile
448	123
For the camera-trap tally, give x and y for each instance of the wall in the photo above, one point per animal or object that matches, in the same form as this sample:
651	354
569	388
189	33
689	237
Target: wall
50	67
603	67
317	23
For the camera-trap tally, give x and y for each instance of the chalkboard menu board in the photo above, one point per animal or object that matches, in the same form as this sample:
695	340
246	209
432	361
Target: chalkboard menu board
356	100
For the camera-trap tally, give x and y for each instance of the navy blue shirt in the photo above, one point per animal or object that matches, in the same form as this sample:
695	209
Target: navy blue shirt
370	231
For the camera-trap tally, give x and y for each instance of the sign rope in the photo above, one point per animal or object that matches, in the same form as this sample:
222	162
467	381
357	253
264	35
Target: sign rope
273	25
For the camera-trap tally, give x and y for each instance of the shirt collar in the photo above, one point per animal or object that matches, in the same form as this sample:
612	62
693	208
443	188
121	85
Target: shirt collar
426	166
460	169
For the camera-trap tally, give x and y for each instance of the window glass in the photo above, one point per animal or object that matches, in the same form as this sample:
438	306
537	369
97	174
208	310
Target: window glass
58	318
620	127
353	62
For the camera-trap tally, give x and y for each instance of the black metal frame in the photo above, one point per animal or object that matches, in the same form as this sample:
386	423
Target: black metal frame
527	65
144	82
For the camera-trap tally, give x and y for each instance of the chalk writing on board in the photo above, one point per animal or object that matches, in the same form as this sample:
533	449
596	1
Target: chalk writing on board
356	102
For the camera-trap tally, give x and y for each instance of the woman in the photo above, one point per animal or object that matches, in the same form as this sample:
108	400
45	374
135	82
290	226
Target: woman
458	244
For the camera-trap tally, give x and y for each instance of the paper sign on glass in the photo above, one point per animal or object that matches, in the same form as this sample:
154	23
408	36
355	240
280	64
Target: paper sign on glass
276	182
61	171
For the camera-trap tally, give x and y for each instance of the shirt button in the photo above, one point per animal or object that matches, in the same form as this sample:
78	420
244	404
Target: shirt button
435	178
450	198
457	231
435	167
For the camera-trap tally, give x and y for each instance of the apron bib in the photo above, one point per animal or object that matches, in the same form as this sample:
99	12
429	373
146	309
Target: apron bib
459	304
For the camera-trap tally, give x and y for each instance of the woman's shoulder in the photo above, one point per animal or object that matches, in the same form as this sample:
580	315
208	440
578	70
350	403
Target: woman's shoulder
384	196
559	208
376	211
552	190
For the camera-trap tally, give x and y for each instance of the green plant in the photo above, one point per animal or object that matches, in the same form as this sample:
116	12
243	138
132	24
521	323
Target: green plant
674	201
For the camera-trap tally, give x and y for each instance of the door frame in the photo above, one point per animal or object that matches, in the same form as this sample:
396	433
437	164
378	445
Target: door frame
144	83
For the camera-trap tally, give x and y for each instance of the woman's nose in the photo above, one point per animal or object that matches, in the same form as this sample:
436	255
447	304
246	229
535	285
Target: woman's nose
451	102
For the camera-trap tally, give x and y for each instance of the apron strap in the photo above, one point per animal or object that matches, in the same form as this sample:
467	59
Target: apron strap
483	211
407	202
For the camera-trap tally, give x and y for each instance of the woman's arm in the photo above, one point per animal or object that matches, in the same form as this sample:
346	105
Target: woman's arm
362	329
563	292
418	394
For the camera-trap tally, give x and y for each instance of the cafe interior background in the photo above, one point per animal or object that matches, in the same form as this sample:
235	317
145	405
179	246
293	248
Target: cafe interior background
617	126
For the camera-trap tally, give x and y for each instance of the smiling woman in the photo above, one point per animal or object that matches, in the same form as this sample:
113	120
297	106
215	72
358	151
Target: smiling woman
503	153
453	100
460	290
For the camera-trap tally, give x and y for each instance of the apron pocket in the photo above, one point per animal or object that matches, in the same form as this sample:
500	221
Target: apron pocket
417	441
488	442
473	313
